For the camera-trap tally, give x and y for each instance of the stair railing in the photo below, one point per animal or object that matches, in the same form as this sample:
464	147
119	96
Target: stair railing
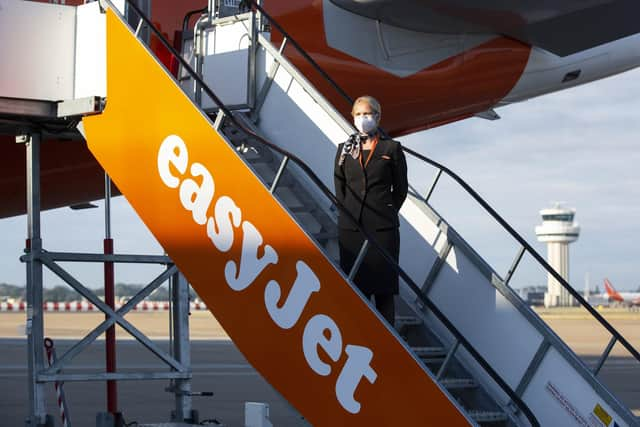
369	240
525	247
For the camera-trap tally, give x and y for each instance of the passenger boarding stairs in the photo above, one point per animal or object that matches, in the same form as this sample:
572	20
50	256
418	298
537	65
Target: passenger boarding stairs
280	104
438	358
233	180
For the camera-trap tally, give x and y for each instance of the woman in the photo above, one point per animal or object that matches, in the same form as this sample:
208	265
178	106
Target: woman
371	183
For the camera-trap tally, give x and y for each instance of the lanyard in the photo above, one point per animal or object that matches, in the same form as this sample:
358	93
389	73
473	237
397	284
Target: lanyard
373	147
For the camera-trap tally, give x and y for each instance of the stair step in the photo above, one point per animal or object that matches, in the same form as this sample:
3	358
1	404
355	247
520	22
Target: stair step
430	361
308	222
234	135
264	171
289	199
332	249
487	416
458	383
326	235
402	321
429	352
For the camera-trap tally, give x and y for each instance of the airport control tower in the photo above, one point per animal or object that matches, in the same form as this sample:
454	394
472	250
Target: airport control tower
558	230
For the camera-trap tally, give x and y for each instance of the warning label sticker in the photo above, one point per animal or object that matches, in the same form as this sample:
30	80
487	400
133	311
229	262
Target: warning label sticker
602	415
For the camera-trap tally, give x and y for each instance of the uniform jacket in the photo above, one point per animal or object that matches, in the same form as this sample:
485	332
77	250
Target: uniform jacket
375	193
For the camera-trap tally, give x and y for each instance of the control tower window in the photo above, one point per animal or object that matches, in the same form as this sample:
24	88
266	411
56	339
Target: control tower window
558	217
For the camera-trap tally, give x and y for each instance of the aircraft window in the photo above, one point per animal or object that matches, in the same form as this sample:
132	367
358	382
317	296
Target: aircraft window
571	75
558	217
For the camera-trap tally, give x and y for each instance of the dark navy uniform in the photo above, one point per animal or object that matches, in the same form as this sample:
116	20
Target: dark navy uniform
372	188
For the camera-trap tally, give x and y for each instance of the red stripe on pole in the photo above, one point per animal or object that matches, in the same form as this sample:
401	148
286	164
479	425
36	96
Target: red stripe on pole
109	299
51	357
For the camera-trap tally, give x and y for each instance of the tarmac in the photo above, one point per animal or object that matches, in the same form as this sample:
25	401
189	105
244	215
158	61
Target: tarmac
220	368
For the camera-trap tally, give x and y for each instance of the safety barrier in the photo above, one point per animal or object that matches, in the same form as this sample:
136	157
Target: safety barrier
83	306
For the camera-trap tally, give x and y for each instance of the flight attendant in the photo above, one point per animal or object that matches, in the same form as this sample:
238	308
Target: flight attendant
371	183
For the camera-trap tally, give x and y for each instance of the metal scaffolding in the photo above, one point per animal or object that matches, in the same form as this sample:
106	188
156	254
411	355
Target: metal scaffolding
178	359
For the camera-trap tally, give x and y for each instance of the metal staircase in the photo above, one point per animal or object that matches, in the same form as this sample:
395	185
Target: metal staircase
264	147
284	176
291	186
541	355
268	166
292	193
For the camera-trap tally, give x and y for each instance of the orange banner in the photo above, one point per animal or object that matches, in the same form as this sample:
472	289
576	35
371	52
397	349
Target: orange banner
286	307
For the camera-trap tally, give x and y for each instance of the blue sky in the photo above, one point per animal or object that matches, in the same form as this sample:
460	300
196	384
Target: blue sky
579	146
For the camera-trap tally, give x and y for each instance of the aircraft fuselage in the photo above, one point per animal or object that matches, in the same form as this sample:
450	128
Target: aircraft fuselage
423	80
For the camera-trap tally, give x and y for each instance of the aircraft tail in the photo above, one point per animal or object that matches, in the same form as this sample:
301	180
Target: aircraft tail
611	291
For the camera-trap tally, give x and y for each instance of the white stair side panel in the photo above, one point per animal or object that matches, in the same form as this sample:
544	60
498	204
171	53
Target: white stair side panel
560	396
300	125
420	243
485	317
91	52
292	118
37	50
226	63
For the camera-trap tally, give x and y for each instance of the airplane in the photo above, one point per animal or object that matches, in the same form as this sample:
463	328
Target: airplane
626	298
452	82
429	62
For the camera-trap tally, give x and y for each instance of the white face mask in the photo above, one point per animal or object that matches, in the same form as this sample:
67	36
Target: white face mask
366	123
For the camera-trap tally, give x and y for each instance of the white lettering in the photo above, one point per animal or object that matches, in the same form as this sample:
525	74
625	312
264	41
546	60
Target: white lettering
197	197
173	151
321	331
356	367
305	284
220	230
250	265
314	336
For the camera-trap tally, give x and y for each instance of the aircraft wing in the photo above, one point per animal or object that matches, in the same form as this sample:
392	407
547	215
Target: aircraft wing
562	27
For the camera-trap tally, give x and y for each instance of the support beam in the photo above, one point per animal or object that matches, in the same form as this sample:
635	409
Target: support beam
535	363
81	345
181	346
119	376
268	82
437	266
35	324
117	258
604	356
126	325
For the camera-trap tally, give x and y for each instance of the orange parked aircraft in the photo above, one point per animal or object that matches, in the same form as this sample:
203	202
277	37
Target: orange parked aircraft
626	298
430	62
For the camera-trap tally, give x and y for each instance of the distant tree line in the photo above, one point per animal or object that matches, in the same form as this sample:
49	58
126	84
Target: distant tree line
12	291
60	293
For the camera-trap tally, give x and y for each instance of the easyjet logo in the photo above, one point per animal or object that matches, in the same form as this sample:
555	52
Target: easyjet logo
223	222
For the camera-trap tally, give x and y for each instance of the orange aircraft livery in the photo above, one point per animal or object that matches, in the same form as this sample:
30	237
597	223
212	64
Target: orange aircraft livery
291	313
452	89
455	88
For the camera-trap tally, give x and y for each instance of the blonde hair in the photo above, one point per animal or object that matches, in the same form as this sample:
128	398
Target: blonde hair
373	103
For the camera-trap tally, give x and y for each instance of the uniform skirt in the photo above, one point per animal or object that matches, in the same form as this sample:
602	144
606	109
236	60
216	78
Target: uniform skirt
375	275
